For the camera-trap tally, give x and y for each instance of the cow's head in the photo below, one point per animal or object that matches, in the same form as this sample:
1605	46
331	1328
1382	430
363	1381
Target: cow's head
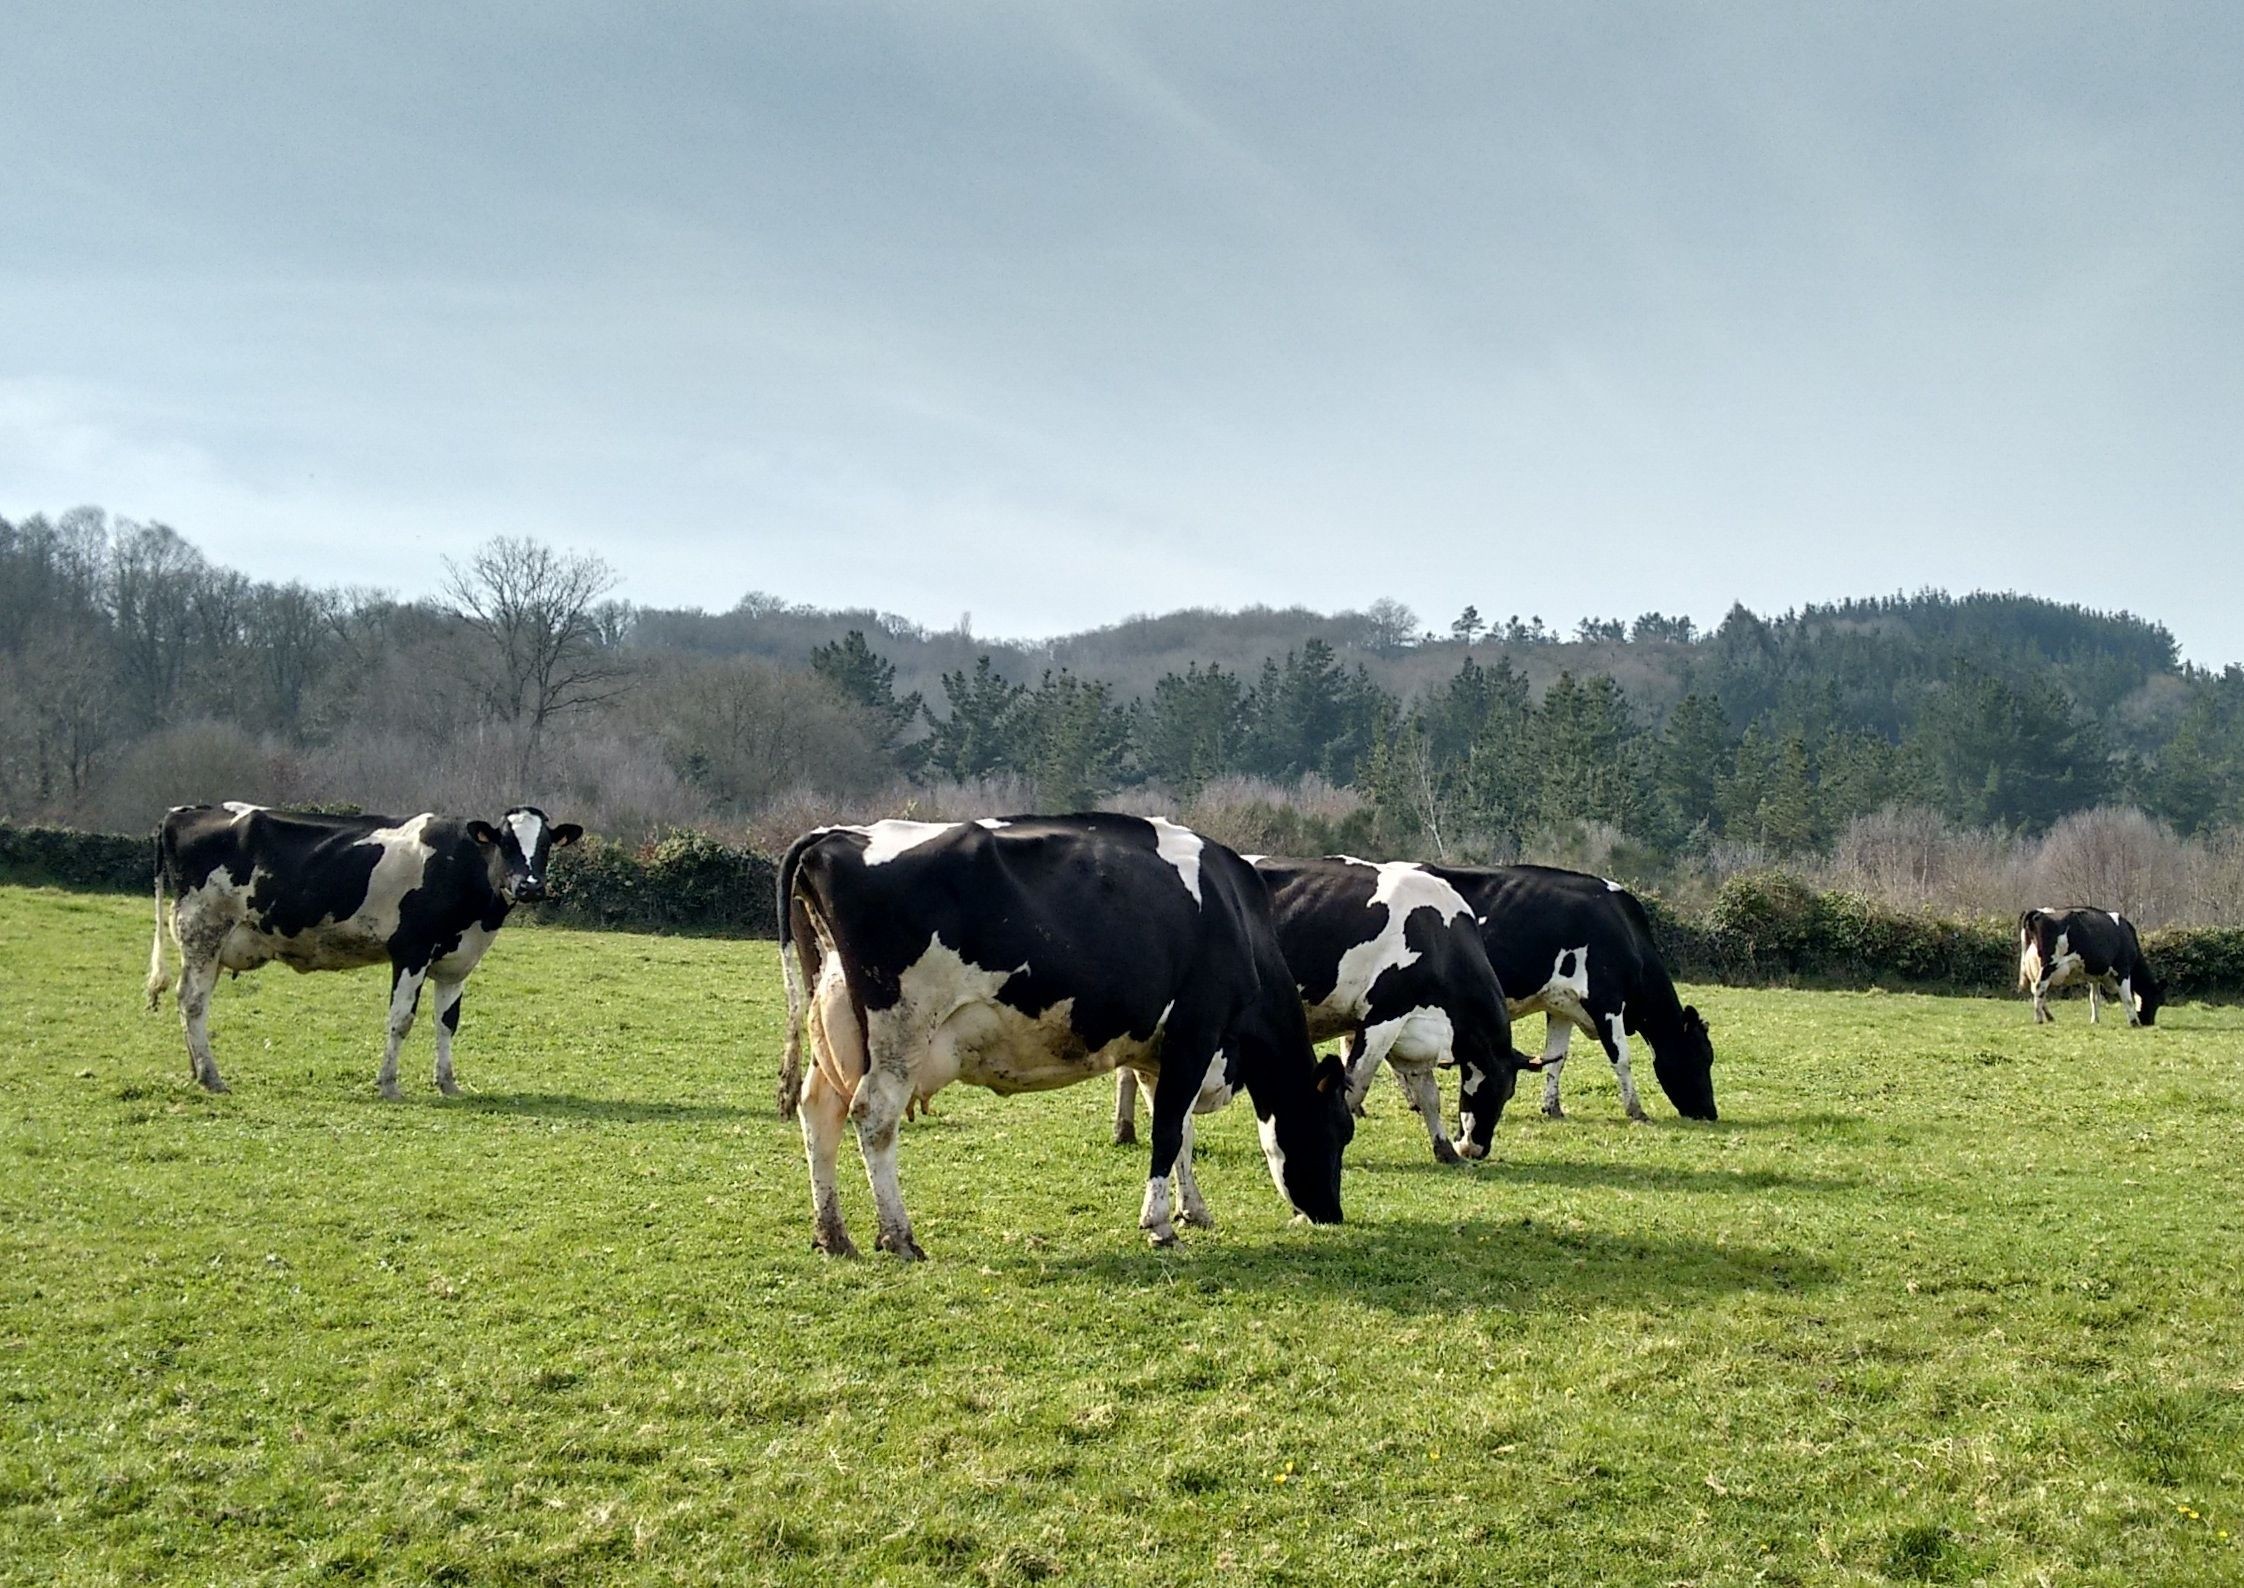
2149	996
518	850
1684	1066
1304	1138
1485	1083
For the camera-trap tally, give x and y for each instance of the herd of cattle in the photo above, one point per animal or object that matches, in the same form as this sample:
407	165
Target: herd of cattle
1034	952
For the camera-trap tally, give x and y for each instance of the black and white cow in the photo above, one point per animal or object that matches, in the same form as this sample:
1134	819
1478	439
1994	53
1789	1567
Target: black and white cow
1031	953
1388	955
1578	949
2058	947
249	885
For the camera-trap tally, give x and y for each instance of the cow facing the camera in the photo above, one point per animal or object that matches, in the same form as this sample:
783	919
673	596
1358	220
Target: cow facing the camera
247	886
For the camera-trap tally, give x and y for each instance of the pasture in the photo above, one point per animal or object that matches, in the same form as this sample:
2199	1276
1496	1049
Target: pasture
1942	1298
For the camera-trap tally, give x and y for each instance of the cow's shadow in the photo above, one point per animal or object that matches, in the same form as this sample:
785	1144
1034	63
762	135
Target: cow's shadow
1417	1265
1623	1176
607	1110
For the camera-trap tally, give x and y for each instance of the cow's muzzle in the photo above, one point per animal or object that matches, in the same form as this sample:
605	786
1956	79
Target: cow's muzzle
527	892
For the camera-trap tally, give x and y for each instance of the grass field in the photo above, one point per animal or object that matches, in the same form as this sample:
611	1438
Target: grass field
1944	1297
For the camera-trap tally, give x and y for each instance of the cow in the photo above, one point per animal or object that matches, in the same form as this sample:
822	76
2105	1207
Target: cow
1388	955
248	885
1578	949
2057	947
1032	952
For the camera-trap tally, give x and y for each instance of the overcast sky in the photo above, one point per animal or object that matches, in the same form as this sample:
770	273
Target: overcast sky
1057	312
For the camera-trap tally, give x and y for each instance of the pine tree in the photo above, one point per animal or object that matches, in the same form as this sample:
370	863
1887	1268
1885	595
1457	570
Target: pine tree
978	736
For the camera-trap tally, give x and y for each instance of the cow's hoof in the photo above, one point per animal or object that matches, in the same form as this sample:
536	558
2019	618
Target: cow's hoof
390	1093
1553	1111
837	1244
1638	1117
1199	1218
902	1244
1125	1135
211	1083
449	1088
1166	1235
1445	1153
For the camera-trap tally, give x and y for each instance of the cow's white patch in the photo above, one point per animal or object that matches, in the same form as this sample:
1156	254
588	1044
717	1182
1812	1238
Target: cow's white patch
1611	886
885	840
1403	889
993	823
1562	997
1254	860
1180	847
526	825
2116	921
238	807
1274	1155
949	1024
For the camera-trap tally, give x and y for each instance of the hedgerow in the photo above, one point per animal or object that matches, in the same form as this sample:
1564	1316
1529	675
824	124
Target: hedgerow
1763	929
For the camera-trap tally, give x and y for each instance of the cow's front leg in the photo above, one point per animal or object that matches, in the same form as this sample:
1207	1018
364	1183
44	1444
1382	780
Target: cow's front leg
447	1027
1367	1050
405	1001
1418	1084
2127	1000
198	975
1174	1093
1125	1106
878	1109
1616	1049
1557	1034
1190	1207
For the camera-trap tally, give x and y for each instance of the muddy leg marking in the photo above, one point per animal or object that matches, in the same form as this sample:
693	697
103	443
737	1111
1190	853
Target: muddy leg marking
1125	1106
405	1000
197	976
821	1112
878	1109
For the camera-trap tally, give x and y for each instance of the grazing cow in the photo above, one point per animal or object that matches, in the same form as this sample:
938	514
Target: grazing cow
250	885
1388	955
1578	949
2057	947
1027	954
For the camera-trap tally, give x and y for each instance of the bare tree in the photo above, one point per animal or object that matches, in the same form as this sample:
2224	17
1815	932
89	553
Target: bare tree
538	614
1389	626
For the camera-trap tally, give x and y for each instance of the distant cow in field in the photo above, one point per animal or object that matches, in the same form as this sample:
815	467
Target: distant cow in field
2059	947
1388	955
248	886
1578	949
1032	953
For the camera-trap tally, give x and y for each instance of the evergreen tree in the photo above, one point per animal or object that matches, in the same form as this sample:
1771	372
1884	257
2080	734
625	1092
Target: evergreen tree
1694	752
1193	729
977	737
868	679
1070	738
2012	755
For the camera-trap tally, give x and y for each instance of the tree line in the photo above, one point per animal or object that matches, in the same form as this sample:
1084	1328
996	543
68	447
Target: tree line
135	672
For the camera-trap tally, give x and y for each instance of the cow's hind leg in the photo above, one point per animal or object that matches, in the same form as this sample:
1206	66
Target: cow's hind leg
405	1001
822	1111
1125	1107
447	1027
1616	1049
878	1109
1558	1032
1418	1084
198	975
2095	1004
2042	1016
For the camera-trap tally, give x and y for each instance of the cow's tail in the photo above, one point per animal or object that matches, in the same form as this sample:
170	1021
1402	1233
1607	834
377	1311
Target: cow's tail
156	977
2029	950
797	975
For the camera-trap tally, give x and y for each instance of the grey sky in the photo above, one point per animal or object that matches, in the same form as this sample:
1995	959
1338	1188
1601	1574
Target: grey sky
1059	312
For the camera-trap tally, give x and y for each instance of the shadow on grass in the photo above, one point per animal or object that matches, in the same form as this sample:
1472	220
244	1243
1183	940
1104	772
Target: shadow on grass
614	1110
1624	1176
1410	1265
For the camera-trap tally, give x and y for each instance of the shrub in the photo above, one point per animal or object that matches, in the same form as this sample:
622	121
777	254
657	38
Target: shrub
108	862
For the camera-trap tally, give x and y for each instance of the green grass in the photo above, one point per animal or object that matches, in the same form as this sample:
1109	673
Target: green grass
1943	1298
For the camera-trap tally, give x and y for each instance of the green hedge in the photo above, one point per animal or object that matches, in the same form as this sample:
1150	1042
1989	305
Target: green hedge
1764	929
108	862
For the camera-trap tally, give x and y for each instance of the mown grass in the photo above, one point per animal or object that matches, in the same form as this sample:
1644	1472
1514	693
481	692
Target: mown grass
1943	1298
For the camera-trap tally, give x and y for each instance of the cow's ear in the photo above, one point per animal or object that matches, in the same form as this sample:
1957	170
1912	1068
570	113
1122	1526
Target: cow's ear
566	834
484	833
1331	1074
